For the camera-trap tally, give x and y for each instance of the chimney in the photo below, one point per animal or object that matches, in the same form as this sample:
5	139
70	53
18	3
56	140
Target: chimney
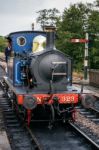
50	35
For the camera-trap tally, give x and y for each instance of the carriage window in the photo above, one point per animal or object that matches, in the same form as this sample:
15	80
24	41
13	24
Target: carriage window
21	41
39	43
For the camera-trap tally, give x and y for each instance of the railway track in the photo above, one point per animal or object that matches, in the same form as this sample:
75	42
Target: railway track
19	137
39	136
92	139
69	137
91	113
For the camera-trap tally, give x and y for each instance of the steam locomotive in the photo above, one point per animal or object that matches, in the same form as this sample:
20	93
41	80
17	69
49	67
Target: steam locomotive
39	78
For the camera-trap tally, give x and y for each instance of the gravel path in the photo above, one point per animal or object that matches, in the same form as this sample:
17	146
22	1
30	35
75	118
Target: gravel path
82	120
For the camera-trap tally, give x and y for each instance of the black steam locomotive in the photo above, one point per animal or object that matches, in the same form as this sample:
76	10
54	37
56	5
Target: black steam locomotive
39	77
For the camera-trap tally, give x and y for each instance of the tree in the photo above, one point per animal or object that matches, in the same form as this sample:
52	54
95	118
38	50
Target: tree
77	20
48	17
43	17
93	22
53	16
72	26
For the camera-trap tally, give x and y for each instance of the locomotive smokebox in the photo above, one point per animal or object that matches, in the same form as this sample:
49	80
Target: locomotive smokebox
50	35
51	66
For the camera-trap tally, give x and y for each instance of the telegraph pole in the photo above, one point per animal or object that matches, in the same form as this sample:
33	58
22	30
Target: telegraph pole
86	58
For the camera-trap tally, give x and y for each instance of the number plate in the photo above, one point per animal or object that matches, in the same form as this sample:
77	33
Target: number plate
68	98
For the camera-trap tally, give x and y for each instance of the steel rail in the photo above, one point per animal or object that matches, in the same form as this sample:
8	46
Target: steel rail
84	135
94	109
34	139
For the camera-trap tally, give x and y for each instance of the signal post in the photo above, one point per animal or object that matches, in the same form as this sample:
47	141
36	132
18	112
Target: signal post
86	58
86	40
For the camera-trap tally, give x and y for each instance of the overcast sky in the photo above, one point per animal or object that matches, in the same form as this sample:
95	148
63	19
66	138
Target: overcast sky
19	14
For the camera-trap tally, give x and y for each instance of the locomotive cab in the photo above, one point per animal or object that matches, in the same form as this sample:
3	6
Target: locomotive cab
23	43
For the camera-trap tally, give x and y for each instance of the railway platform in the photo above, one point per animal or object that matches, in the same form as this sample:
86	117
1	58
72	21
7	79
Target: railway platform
87	88
4	143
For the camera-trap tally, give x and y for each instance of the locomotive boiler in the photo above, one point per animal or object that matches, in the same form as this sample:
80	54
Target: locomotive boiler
39	78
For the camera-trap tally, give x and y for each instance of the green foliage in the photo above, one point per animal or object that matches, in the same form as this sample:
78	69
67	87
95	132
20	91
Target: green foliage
2	44
72	27
48	17
94	52
77	20
42	18
93	29
91	40
93	22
